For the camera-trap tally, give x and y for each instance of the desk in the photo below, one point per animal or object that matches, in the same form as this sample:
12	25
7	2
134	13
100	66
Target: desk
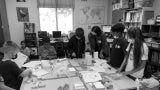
57	77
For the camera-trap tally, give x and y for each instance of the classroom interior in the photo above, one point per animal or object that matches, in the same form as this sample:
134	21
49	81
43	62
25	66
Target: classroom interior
33	20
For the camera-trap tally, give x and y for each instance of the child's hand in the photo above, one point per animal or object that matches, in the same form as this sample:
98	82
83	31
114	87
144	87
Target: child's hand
83	55
101	55
74	54
118	70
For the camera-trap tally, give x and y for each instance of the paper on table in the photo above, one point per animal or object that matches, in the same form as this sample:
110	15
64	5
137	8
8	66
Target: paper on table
32	64
97	69
72	69
115	76
20	60
40	72
79	86
45	63
99	85
74	62
110	71
100	62
91	76
123	83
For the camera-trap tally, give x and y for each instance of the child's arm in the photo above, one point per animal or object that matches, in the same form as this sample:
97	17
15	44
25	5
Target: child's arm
4	87
26	73
19	72
141	66
122	65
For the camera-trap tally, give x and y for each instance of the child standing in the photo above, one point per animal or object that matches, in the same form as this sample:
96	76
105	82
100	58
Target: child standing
137	56
76	45
119	45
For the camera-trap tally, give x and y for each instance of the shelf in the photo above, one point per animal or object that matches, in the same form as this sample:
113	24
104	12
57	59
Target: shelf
132	9
154	63
140	8
134	22
146	34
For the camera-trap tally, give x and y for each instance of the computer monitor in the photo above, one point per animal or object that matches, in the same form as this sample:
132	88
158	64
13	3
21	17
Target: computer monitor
42	34
56	34
106	28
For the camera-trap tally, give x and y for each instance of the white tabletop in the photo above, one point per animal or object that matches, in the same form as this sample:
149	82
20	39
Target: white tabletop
59	75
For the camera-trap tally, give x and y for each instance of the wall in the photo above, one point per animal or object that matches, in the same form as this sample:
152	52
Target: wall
156	7
79	4
5	25
17	28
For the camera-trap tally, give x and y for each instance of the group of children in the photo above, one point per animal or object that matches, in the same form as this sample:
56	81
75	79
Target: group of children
128	57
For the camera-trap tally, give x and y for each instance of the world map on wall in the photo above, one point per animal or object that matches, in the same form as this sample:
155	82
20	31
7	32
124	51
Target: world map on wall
91	15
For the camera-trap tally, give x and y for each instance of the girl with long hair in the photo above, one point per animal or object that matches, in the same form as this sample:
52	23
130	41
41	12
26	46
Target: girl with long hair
137	54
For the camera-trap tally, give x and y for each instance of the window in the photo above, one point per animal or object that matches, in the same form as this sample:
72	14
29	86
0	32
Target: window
53	20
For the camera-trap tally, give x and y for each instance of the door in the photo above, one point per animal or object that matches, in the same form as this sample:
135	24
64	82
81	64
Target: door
1	33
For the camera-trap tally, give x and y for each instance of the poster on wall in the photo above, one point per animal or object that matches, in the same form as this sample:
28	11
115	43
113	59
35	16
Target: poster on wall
22	14
91	15
21	0
29	27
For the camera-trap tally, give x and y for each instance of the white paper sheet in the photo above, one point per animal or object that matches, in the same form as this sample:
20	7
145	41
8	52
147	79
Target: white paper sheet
90	76
74	62
99	85
72	69
32	64
79	86
123	82
40	72
45	63
20	60
97	69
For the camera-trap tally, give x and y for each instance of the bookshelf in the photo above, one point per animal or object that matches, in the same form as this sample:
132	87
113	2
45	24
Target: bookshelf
153	63
137	17
152	32
31	39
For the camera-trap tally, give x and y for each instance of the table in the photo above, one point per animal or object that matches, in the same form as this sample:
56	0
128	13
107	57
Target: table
59	75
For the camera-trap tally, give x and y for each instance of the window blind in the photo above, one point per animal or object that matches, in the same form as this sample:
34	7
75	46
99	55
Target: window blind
55	3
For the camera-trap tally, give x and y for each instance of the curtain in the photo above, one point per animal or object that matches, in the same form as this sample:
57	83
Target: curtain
55	3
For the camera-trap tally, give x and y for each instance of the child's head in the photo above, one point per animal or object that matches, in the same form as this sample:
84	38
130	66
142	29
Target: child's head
118	29
23	44
46	41
79	32
10	49
97	30
135	33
